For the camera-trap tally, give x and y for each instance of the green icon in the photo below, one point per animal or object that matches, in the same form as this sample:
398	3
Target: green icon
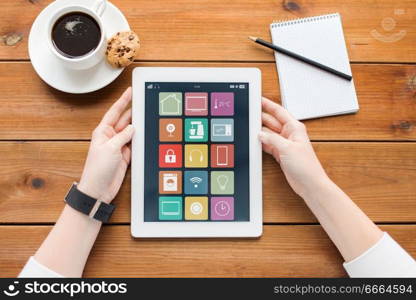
196	130
170	104
222	182
170	208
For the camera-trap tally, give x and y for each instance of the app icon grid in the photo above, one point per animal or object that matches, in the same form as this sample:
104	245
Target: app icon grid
198	166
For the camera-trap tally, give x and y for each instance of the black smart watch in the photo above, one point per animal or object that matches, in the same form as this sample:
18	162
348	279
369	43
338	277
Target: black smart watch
87	205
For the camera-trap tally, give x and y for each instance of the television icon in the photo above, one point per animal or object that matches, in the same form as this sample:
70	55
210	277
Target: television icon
196	104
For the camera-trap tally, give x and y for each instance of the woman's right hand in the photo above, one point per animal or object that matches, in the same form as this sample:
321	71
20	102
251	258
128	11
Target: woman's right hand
286	139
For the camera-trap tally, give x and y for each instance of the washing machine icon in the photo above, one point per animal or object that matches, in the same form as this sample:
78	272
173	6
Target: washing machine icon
170	182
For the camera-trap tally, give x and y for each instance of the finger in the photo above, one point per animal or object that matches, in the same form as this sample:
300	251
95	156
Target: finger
271	122
125	120
123	137
272	151
270	146
113	114
296	131
272	139
266	148
126	152
277	111
267	129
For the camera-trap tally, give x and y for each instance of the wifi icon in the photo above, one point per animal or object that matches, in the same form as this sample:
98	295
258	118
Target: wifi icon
195	181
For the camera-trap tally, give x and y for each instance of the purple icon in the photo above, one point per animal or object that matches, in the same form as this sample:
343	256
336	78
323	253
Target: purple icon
222	208
222	104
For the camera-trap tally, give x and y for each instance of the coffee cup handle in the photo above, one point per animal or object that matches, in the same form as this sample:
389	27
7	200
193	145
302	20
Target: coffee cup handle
100	6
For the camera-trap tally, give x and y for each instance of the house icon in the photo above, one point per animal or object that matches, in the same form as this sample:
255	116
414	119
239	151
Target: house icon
170	104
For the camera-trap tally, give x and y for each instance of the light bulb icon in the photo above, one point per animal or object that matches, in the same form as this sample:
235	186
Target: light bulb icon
222	181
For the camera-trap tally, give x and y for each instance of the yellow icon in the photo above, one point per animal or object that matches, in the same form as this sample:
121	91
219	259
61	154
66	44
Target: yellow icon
196	208
196	156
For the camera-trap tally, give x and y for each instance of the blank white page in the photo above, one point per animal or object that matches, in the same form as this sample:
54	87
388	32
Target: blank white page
308	92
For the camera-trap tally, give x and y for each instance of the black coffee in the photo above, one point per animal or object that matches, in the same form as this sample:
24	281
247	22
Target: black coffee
76	34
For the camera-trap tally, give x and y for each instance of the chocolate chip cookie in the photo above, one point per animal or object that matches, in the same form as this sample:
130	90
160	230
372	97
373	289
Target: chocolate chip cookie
122	49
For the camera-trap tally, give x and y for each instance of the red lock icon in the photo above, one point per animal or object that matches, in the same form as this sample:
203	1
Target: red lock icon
170	155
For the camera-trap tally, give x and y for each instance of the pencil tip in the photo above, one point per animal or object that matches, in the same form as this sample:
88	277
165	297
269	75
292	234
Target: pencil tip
252	38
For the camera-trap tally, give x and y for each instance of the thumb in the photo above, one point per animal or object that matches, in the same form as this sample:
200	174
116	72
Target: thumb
123	137
274	140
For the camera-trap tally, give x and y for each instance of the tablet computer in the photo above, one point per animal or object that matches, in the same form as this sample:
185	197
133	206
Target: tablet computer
196	157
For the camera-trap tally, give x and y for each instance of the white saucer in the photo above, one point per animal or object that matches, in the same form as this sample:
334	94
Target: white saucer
51	70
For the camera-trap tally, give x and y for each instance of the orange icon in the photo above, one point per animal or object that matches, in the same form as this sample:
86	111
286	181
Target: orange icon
170	130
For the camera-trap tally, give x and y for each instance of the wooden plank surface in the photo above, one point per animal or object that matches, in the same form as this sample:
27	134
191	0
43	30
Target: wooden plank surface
380	177
282	251
217	29
32	110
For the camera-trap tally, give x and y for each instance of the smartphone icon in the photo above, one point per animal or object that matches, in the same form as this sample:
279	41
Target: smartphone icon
222	155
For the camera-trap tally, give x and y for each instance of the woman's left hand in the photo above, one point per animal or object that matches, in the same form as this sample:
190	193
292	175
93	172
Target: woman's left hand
109	155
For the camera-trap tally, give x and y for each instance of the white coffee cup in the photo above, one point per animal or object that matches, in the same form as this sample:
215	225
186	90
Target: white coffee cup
89	60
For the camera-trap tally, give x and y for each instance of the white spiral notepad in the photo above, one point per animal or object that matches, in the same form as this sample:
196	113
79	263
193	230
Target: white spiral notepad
306	91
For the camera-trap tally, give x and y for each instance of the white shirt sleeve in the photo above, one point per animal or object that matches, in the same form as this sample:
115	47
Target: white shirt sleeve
35	269
385	259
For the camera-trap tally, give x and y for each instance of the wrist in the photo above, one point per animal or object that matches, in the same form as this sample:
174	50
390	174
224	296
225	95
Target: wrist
87	189
78	217
316	187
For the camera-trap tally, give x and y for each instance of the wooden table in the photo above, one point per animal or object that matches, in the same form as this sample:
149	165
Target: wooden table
44	136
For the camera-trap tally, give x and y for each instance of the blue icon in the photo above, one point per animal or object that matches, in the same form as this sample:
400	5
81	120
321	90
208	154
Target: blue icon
196	182
222	130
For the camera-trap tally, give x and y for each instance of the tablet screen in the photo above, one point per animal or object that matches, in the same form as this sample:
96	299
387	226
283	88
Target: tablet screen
196	152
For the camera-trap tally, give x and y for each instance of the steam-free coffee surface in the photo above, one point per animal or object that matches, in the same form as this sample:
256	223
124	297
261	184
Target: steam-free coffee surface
76	34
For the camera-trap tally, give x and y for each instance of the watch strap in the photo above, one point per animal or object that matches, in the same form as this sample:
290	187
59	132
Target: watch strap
104	212
85	204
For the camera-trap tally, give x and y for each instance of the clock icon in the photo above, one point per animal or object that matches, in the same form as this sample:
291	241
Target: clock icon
222	208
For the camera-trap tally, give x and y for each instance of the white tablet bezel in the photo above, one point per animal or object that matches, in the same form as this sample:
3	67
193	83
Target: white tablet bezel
252	228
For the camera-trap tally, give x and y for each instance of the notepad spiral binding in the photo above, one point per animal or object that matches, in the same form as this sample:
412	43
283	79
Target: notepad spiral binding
282	23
